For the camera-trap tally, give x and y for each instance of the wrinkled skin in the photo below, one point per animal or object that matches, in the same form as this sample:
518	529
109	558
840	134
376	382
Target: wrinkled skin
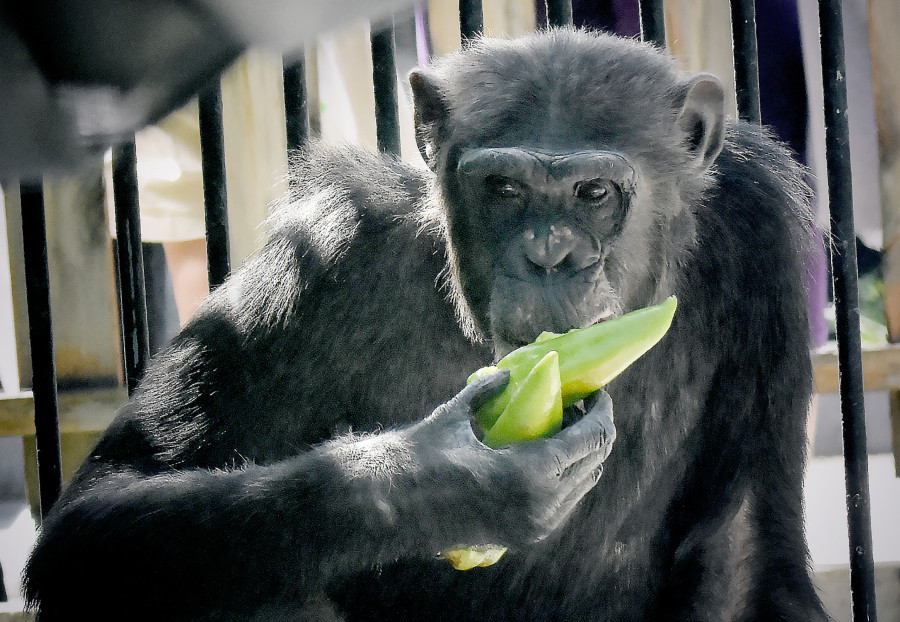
557	212
279	461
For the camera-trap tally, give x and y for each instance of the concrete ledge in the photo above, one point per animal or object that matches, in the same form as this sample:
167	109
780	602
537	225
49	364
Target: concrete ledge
834	589
12	612
79	411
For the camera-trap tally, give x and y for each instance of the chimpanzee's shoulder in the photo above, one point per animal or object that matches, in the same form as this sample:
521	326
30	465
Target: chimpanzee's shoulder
342	196
758	177
755	230
375	183
757	211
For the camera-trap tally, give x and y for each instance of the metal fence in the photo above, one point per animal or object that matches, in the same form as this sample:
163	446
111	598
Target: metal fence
133	308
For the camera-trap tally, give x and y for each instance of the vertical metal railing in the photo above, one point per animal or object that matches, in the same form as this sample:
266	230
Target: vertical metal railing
746	59
40	332
215	195
471	19
130	264
296	113
653	25
559	13
384	76
846	300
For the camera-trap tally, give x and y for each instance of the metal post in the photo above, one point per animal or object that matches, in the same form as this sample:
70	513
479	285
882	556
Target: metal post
384	76
653	23
471	19
215	195
40	331
295	106
746	59
130	259
846	298
559	13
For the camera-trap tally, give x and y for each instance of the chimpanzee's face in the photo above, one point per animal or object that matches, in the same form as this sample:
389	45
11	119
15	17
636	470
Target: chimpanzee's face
565	186
537	227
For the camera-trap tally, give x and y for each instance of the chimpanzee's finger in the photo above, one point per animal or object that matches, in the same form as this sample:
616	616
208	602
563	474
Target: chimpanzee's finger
482	389
591	434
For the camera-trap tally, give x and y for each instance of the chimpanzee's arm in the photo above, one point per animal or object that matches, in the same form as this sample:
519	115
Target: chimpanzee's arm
194	541
210	493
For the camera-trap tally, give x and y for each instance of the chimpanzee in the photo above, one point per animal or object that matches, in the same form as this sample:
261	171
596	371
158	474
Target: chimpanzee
303	448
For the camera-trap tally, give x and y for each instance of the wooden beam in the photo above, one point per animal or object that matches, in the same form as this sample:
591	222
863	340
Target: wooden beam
881	370
92	411
82	411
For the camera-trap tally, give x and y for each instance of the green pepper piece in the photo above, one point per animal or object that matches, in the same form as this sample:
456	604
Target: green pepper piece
534	411
588	357
468	557
554	371
545	336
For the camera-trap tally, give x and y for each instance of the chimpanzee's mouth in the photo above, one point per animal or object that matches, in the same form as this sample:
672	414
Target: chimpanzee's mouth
506	342
607	314
571	414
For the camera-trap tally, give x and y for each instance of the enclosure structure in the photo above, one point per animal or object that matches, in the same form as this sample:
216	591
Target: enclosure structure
50	408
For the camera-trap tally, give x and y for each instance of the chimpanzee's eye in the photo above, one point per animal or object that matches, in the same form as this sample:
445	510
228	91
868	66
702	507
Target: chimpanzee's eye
594	191
504	187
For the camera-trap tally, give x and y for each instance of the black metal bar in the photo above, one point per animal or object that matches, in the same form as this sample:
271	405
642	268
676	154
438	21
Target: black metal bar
653	23
40	332
746	59
130	260
295	106
559	12
215	194
846	298
471	19
384	76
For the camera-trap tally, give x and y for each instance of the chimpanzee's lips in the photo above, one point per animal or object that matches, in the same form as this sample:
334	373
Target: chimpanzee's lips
510	343
506	342
520	309
607	314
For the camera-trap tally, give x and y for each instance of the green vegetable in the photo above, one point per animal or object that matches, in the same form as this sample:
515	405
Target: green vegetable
554	371
588	357
466	558
534	411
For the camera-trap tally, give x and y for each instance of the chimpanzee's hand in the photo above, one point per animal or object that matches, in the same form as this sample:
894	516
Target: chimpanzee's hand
512	496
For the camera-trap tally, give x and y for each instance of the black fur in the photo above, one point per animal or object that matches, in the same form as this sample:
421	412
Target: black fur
217	493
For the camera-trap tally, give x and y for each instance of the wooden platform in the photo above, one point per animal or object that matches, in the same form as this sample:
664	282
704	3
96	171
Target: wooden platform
92	411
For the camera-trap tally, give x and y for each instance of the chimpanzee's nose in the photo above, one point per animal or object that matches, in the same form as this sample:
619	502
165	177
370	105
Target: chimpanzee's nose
549	250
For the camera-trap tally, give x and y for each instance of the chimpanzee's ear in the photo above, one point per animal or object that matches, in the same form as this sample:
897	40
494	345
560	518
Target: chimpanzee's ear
702	118
431	112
